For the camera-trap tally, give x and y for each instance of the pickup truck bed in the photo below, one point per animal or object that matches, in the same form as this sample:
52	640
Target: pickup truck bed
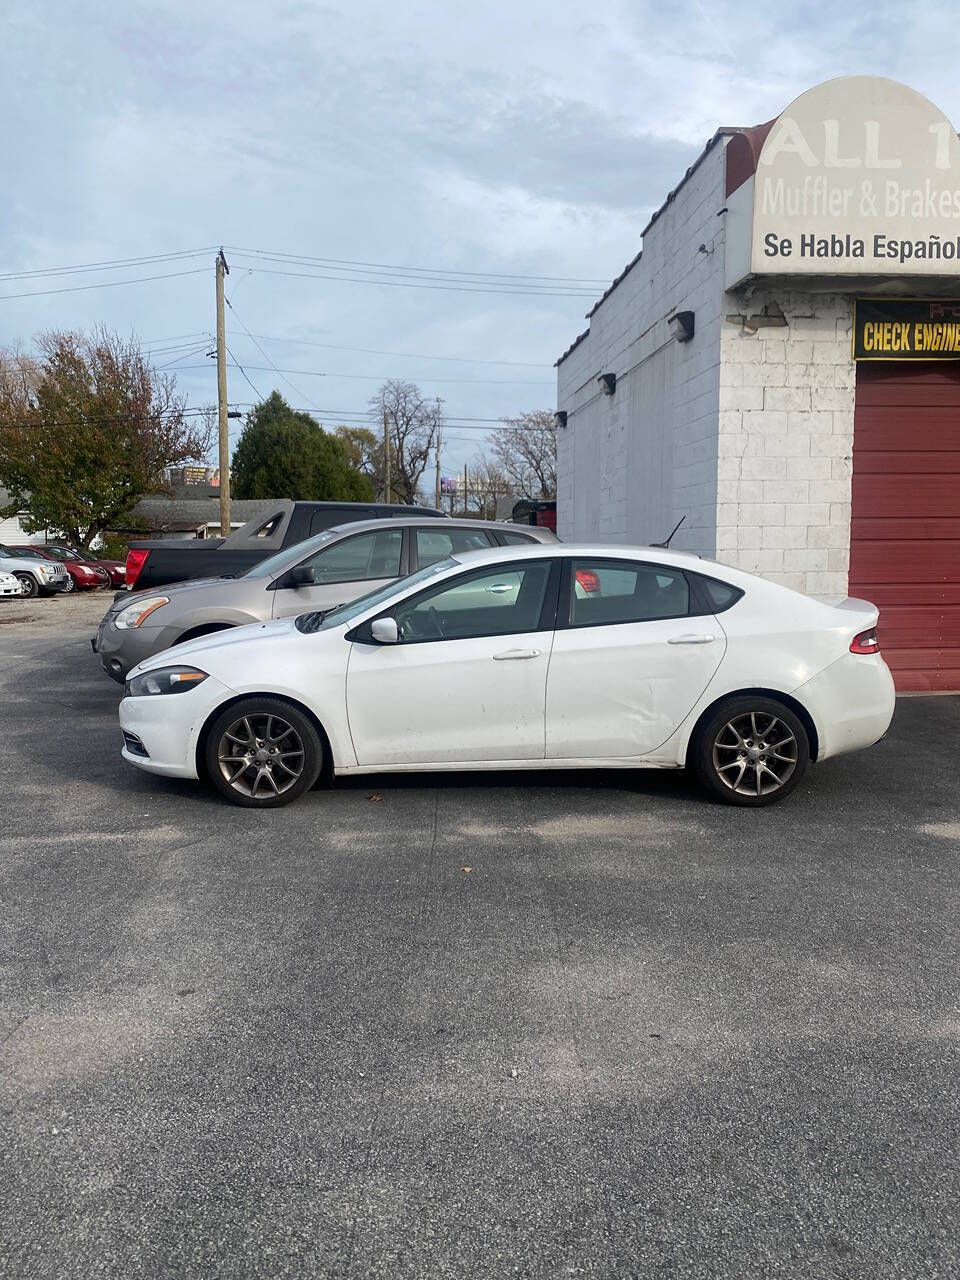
159	561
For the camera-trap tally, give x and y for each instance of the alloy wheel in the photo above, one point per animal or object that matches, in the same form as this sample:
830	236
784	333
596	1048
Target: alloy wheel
69	585
261	755
755	753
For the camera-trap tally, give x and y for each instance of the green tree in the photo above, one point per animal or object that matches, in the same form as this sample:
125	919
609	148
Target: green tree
86	429
285	454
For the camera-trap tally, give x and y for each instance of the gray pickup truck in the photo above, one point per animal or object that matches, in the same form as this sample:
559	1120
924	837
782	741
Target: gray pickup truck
160	561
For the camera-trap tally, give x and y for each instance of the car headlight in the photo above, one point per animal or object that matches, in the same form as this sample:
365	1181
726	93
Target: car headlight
164	680
136	614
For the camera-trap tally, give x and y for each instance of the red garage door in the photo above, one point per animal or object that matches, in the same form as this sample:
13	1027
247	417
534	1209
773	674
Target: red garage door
905	529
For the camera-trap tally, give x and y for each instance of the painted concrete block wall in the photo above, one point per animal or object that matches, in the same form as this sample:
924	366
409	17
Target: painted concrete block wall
785	445
629	465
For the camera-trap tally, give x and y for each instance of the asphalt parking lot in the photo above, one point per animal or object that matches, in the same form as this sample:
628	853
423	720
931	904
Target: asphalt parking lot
484	1026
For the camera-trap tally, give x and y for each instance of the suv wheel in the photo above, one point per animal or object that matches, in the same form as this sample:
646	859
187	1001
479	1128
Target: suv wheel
752	751
28	585
69	585
262	753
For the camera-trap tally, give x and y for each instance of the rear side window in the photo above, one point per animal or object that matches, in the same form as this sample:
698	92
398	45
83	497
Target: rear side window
714	596
438	544
269	526
515	539
368	555
605	592
327	517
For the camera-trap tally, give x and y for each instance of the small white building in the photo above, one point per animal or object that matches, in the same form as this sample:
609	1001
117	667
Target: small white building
780	366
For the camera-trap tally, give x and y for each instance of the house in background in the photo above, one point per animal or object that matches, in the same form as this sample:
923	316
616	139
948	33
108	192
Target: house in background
12	532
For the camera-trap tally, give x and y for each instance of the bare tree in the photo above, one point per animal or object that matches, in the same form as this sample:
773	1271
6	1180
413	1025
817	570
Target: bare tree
488	483
526	450
412	422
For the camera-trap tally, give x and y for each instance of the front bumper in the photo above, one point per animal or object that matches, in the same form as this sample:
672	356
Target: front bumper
119	650
168	727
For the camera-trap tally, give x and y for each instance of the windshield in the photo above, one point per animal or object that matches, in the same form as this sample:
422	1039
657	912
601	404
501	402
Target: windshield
274	565
347	612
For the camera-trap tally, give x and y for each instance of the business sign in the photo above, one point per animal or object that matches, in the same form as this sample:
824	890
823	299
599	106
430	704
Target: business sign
859	176
914	329
450	484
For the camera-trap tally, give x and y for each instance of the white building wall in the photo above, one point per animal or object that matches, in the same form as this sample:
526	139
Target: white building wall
787	386
630	465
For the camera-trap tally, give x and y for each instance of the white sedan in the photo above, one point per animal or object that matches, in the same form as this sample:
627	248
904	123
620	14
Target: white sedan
523	658
10	585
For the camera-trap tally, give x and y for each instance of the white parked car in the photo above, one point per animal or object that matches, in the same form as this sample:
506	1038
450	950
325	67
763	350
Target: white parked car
523	658
10	585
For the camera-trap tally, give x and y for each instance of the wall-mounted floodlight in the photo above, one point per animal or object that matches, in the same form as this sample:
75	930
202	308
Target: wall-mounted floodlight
560	418
608	383
681	325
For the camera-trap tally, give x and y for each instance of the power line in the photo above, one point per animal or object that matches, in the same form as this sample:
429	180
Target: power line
238	365
104	284
264	354
442	288
96	420
376	377
107	265
389	266
405	355
363	416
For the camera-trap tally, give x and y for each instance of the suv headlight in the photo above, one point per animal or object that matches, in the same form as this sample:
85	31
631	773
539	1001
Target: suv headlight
164	680
136	614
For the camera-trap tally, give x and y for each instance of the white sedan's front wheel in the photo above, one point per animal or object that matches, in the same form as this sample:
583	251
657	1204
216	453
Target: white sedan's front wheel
263	752
752	751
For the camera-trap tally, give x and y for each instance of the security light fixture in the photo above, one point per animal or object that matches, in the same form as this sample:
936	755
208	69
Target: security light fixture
560	418
608	383
681	325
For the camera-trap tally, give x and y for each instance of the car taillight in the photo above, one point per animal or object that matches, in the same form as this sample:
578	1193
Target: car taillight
865	642
588	580
135	562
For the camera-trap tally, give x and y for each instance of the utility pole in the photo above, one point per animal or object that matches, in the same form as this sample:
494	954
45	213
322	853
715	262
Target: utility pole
222	421
437	495
386	455
465	489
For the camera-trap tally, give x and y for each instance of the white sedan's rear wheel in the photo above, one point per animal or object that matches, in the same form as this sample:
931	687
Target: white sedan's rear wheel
752	751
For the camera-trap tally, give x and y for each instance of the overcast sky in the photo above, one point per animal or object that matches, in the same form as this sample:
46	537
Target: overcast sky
529	137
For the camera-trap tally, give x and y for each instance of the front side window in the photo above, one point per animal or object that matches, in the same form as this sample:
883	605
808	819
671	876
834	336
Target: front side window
604	592
490	602
367	555
438	544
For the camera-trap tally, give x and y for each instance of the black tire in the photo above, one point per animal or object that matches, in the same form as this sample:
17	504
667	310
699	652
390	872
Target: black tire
28	585
270	765
751	751
68	586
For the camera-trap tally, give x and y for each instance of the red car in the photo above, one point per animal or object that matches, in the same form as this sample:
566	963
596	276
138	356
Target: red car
83	574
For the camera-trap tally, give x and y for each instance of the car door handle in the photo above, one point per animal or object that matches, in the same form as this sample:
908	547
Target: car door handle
692	637
513	655
498	589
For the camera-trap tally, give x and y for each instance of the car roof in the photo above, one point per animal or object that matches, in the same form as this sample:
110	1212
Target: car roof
434	523
591	550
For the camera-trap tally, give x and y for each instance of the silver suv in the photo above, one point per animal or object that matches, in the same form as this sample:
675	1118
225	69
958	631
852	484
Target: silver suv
37	576
331	568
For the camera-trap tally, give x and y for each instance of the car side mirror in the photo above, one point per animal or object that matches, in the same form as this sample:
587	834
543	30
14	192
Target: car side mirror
303	575
385	630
